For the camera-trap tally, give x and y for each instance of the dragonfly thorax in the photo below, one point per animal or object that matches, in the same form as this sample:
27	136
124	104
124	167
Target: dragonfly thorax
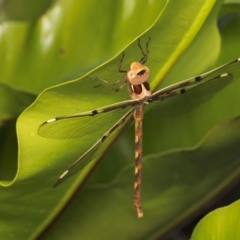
140	91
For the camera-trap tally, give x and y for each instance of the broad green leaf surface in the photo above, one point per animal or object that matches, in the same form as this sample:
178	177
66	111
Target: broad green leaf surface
167	134
174	184
70	39
13	101
18	10
227	29
36	55
41	160
220	224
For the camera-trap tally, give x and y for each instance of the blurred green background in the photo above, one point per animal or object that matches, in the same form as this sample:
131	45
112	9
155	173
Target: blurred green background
50	53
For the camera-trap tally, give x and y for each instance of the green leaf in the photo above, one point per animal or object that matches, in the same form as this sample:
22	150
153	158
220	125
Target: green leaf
71	40
175	185
220	224
13	102
22	10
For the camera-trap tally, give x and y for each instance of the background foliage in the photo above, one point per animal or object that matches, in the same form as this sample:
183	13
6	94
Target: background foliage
189	159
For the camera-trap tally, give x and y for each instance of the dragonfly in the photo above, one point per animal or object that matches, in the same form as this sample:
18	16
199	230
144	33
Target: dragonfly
187	94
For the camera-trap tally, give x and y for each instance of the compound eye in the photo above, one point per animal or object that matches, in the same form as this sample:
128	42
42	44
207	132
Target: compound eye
141	73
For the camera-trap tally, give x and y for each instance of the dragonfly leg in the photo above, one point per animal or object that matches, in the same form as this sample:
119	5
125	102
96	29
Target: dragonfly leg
112	84
120	65
145	54
116	82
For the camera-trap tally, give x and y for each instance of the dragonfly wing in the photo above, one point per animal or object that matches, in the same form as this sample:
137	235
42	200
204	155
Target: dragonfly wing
186	95
82	124
99	148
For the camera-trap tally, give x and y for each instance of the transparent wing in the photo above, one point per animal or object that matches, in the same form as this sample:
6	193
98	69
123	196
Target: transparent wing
186	95
81	124
99	148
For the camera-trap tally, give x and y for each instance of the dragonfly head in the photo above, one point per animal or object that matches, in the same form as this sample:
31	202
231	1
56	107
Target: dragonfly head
138	73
